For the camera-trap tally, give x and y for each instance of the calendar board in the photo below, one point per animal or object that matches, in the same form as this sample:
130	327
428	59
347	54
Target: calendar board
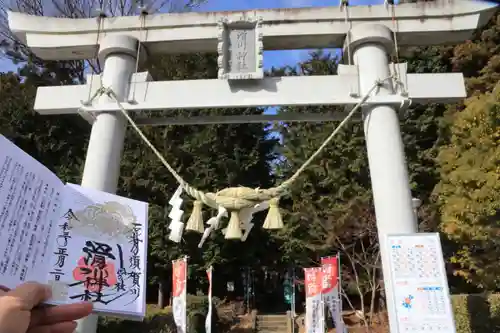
420	286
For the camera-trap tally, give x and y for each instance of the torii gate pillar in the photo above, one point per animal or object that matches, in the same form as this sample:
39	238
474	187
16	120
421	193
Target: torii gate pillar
371	44
102	164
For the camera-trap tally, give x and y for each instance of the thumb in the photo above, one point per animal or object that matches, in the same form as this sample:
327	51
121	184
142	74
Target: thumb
31	294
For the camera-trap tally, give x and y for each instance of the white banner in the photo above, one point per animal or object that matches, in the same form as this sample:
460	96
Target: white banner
208	320
331	290
179	281
315	318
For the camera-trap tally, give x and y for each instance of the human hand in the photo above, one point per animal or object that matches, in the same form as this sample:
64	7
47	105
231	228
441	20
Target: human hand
19	311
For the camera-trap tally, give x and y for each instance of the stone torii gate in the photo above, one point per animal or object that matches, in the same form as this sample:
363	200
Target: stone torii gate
371	35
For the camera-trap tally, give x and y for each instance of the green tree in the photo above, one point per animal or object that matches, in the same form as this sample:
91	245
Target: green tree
210	157
57	142
321	193
479	60
469	189
422	132
341	173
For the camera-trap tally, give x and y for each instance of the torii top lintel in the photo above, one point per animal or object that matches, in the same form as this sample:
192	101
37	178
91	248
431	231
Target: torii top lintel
442	22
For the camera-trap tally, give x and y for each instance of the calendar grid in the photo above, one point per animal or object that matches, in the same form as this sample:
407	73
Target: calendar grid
420	287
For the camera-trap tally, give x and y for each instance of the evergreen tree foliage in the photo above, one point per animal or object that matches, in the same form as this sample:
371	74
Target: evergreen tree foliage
422	133
58	142
319	196
210	157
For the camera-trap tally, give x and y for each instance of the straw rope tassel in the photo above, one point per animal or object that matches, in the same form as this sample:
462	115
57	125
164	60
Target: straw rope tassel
235	199
273	218
233	230
195	222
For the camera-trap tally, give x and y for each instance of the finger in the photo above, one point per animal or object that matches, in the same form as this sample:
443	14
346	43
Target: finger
60	313
30	294
65	327
3	290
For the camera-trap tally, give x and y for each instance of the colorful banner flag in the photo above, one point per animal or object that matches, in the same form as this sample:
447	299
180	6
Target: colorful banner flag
331	290
315	310
208	320
179	281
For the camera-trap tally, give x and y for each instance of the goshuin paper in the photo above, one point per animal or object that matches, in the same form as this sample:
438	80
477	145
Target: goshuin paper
87	244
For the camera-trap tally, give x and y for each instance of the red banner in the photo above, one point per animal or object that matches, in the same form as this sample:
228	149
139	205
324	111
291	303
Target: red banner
330	268
314	320
313	281
331	290
179	277
179	280
208	319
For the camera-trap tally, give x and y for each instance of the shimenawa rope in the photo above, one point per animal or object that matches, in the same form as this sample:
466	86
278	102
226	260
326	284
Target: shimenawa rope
235	198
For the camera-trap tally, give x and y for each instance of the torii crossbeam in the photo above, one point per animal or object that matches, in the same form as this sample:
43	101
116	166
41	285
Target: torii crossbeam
435	23
66	39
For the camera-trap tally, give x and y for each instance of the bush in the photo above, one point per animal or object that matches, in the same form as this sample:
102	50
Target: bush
477	313
162	321
494	300
197	308
156	321
461	312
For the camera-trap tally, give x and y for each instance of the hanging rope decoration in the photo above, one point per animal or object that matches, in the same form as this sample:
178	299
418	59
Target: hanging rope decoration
241	202
235	199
